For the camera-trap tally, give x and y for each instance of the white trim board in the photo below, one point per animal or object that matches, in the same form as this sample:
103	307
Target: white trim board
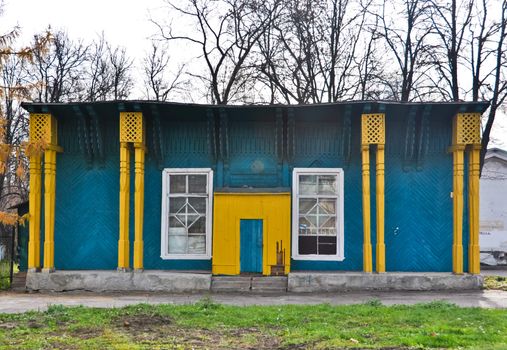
164	254
339	256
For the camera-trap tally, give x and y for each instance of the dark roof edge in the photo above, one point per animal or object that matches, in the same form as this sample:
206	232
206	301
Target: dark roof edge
31	105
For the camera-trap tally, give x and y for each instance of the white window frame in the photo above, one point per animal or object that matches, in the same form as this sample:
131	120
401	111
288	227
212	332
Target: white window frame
339	256
164	248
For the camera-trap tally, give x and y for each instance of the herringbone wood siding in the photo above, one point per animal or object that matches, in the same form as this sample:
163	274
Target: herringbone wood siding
417	201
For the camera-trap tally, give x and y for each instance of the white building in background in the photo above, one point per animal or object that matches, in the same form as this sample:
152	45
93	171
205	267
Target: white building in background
493	208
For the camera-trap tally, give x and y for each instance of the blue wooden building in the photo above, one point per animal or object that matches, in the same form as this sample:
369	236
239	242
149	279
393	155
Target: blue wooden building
352	186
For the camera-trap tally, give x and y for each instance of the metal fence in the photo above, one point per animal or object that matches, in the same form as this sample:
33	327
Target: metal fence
7	255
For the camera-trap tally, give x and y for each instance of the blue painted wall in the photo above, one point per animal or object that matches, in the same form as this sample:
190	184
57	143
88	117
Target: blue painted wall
257	148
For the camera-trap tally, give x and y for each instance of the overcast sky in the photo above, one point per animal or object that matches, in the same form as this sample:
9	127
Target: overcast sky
124	23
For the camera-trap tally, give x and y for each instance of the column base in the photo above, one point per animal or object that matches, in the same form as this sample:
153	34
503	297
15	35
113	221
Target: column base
48	270
367	261
474	264
138	254
380	264
123	269
34	269
457	267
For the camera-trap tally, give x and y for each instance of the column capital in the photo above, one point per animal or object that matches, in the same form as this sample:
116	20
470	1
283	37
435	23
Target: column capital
132	127
373	128
43	128
466	129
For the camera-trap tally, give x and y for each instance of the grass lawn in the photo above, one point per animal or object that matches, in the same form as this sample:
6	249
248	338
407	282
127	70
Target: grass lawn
495	282
206	325
4	274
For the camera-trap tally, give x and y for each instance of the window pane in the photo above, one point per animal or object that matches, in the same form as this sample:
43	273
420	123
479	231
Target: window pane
306	204
175	223
197	244
197	204
327	206
177	183
306	227
177	204
308	184
192	219
198	226
197	184
311	219
307	245
327	226
177	244
181	220
327	184
327	245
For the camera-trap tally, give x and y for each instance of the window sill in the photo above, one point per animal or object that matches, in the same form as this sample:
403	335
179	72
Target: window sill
185	257
318	257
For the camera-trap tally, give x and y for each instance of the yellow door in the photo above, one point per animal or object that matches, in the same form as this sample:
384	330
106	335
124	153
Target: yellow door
228	211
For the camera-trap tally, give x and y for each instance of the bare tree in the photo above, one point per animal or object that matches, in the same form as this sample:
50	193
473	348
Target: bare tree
121	65
288	63
496	92
450	23
107	73
13	121
97	84
14	131
156	69
58	69
227	31
311	49
372	84
407	41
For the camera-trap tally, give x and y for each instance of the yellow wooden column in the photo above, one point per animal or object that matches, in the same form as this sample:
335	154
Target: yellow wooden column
457	199
131	132
373	132
34	212
139	206
43	134
49	209
367	256
474	265
380	248
123	242
466	132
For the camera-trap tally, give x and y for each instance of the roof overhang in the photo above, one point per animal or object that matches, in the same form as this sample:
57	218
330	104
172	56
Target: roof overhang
166	109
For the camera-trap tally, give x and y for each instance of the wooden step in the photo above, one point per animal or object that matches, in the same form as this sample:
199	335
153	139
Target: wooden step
19	281
249	284
230	284
269	284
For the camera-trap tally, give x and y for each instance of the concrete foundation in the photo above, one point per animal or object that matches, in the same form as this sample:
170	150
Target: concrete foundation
101	281
354	281
303	282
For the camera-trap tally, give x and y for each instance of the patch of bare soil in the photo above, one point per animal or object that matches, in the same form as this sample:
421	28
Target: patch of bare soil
160	330
8	325
85	333
141	323
61	346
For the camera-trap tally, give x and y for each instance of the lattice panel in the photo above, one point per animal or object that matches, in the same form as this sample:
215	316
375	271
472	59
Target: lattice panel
373	128
131	127
467	128
43	127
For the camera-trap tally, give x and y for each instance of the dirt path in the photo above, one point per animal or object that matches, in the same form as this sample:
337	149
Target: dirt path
14	302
